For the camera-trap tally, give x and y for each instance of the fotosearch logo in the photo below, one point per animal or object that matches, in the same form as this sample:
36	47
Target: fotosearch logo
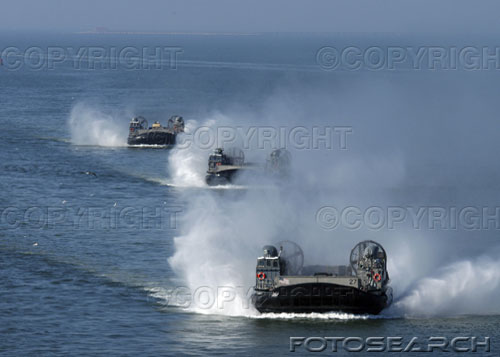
353	58
422	217
268	137
391	344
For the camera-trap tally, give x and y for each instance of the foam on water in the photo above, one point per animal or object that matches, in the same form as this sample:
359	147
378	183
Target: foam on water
221	236
91	126
148	146
314	316
469	286
187	162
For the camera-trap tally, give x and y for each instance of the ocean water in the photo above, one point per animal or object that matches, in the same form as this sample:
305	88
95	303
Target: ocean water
106	249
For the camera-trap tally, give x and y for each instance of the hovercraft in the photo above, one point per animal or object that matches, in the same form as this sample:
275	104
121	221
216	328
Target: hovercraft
283	284
224	166
141	134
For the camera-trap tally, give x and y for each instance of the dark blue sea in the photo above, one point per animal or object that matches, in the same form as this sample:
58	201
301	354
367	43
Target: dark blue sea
112	250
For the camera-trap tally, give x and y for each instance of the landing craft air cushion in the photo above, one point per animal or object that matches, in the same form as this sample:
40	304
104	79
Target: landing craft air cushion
284	285
141	134
224	167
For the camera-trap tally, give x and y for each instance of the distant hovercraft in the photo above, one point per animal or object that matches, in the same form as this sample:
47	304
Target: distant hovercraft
225	165
141	134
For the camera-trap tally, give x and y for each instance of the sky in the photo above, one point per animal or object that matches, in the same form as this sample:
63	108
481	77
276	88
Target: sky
456	16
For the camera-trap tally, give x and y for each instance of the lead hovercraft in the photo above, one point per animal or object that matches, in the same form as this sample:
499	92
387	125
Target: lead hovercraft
283	284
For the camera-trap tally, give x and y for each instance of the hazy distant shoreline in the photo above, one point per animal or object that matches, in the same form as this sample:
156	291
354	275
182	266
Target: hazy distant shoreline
167	33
